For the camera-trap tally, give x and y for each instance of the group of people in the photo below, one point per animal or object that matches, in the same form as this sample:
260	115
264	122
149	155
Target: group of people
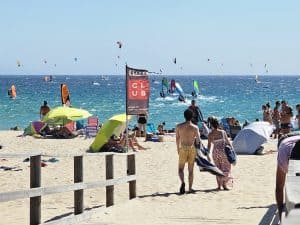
281	117
188	136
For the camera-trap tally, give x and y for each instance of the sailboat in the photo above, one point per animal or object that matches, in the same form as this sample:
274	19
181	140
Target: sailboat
256	79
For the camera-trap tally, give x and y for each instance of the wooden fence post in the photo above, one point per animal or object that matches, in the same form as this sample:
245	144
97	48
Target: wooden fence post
131	171
78	177
109	175
35	181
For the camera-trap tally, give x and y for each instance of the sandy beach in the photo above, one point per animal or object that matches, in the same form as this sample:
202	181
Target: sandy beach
251	201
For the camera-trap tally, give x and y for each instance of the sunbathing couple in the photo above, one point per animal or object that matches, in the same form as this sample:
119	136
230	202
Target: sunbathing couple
118	144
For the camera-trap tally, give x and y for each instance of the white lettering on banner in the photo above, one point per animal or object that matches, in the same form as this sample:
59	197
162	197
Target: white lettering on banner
134	85
134	93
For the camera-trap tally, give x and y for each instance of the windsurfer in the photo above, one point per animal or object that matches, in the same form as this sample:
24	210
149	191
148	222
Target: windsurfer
181	98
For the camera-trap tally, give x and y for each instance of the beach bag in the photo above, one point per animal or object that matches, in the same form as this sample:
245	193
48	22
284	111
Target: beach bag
230	153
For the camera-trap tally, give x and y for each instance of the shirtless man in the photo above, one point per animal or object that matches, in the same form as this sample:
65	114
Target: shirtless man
44	110
286	116
186	134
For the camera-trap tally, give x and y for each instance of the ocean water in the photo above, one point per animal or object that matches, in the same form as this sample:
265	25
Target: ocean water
221	96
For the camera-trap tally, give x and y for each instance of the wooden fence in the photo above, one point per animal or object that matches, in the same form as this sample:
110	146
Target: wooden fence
36	192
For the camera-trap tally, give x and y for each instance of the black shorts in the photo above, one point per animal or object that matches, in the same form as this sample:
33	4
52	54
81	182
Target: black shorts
142	120
286	126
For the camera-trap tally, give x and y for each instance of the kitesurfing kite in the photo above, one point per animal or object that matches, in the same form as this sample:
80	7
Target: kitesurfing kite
75	59
119	43
174	60
18	63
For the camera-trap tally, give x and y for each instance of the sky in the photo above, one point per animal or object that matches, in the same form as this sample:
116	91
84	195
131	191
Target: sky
206	37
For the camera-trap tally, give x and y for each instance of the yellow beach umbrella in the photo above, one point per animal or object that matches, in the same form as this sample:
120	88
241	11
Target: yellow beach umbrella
114	125
63	115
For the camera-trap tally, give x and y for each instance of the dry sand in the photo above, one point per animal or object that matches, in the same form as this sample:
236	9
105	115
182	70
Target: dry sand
251	201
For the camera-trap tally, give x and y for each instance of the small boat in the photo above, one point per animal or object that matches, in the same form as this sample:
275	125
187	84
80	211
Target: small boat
102	77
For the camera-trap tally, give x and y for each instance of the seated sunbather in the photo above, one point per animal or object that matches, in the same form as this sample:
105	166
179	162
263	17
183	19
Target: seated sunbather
64	132
112	145
160	128
132	142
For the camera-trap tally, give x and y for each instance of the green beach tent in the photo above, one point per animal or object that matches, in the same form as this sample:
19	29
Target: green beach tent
115	125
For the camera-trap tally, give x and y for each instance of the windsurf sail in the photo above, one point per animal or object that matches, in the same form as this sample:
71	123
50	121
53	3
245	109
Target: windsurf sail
180	92
172	86
164	87
65	95
256	79
12	92
195	91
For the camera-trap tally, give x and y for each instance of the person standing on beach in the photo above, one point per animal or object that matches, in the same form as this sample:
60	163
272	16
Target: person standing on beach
276	119
44	110
219	139
197	114
266	114
186	134
142	122
286	116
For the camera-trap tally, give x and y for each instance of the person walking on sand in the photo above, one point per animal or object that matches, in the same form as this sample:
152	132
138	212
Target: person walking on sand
186	134
219	139
44	110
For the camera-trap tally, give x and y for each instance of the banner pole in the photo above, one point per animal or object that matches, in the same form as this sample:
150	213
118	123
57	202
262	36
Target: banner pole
126	146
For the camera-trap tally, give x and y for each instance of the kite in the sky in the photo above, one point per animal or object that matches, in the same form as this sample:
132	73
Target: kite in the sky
119	43
174	60
75	59
18	63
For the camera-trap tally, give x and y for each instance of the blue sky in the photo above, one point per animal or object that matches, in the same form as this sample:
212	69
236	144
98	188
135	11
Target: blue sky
232	34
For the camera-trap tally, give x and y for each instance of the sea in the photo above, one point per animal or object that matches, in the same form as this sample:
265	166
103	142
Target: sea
104	96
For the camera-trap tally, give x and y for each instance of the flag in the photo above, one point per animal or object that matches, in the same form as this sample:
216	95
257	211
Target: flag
137	91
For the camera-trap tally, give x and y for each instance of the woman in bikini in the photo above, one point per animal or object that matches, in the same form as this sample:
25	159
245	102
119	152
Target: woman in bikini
219	139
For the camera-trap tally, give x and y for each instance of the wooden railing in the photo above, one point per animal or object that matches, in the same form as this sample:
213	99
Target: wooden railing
36	192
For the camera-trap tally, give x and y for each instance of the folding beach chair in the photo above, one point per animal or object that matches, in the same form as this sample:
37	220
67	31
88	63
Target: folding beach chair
91	129
150	128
